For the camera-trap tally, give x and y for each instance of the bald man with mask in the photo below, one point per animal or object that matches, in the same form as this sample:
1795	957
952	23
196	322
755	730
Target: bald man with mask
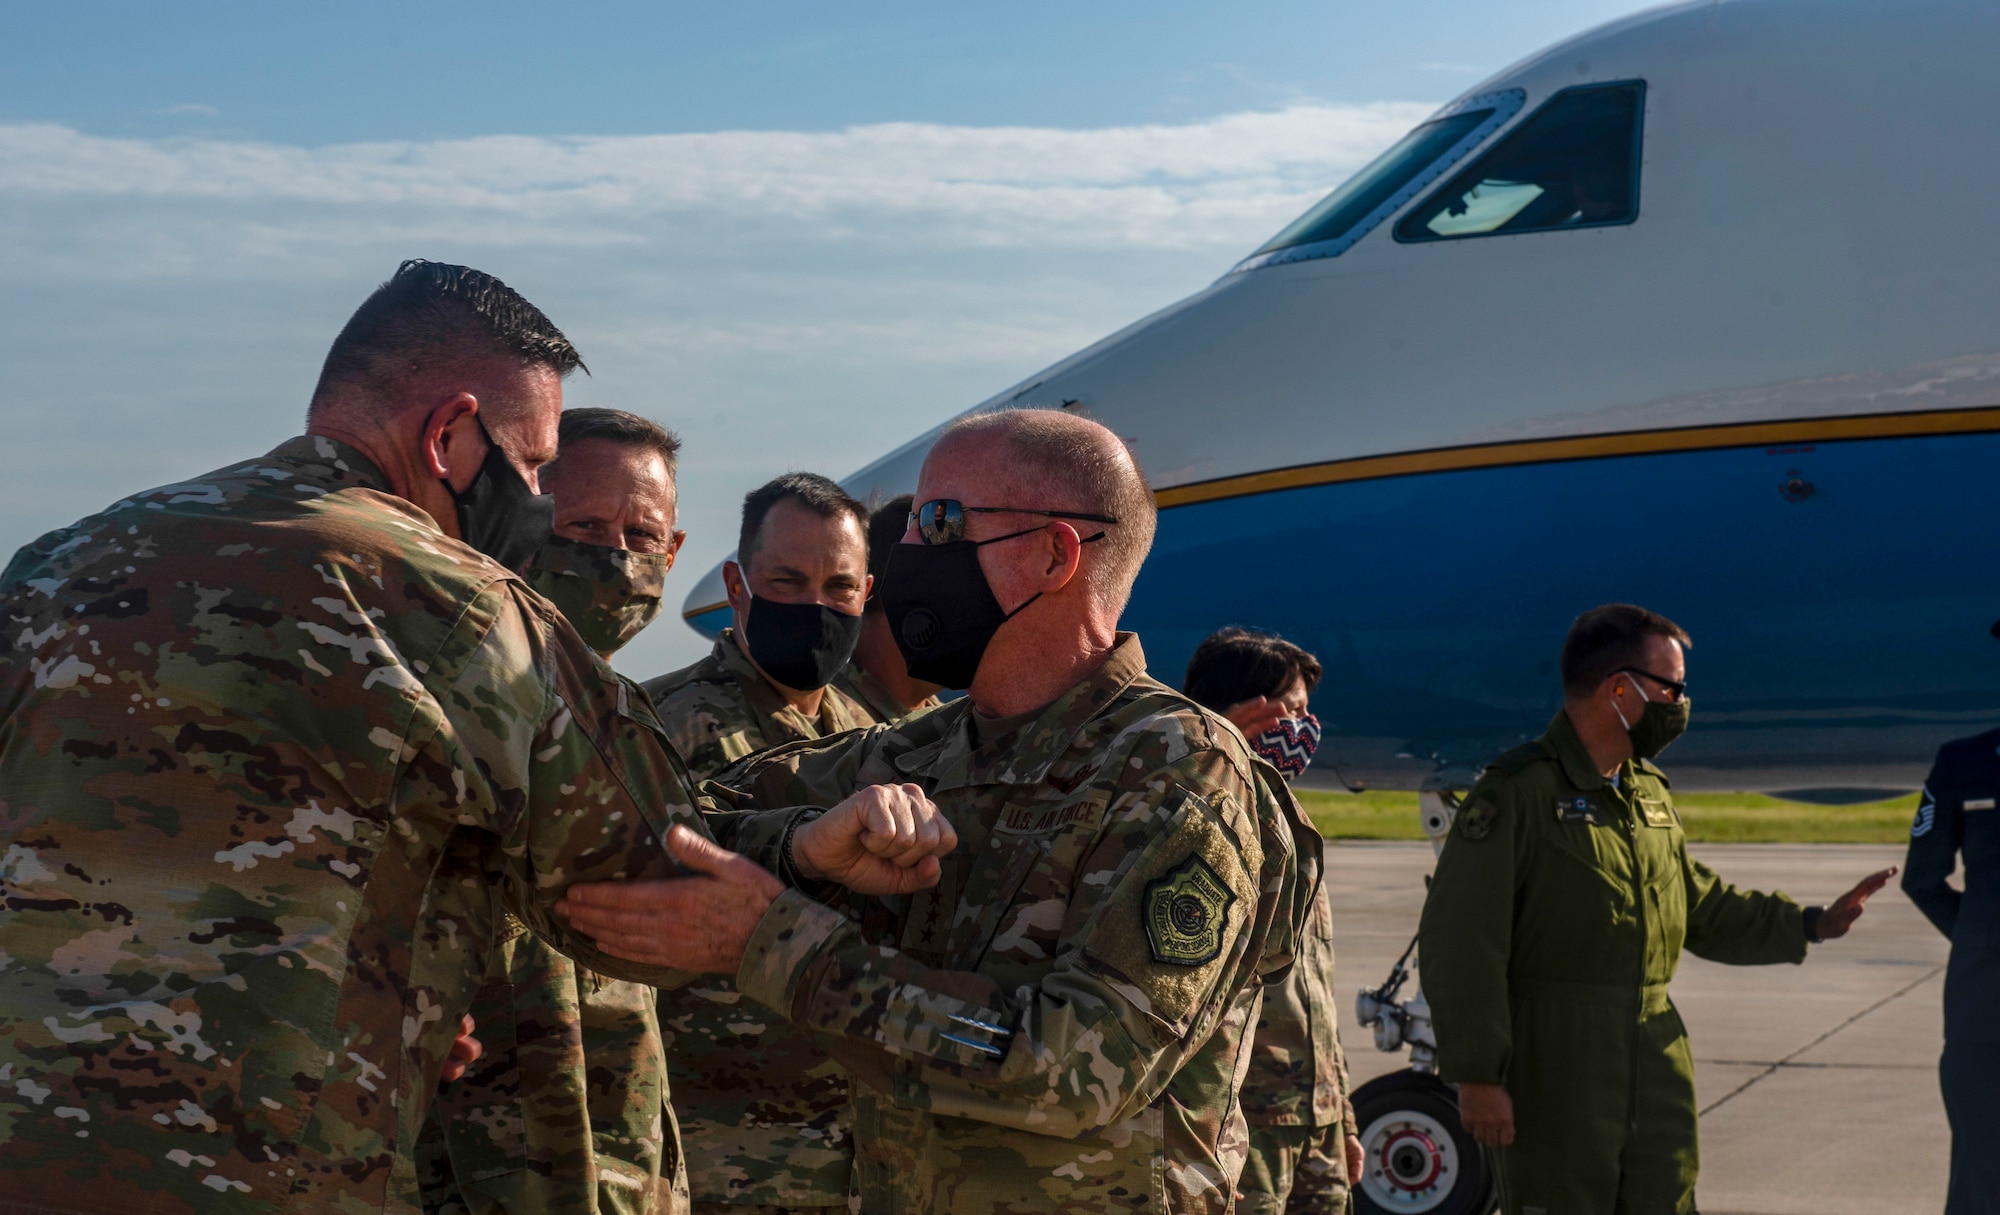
1059	1027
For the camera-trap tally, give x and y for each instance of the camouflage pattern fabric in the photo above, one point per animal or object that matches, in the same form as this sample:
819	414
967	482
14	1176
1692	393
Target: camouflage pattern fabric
243	719
1298	1079
567	1110
763	1111
860	686
1294	1170
1061	1023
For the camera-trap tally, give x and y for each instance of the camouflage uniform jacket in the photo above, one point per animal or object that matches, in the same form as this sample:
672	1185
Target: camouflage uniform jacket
860	686
763	1111
1298	1074
722	709
1063	1022
242	719
566	1111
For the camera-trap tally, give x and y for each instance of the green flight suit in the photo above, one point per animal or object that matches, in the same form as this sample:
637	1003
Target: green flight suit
1554	924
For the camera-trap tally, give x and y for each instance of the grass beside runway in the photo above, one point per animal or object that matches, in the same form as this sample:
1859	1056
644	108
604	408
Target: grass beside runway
1723	818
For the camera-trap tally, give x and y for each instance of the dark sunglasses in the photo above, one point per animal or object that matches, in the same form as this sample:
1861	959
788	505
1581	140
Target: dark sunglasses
942	520
1675	688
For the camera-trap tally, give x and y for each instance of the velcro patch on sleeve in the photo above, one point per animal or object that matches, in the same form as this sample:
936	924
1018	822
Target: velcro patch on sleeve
1186	912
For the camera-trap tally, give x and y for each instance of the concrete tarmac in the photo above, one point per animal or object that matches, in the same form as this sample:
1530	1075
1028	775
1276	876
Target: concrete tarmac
1818	1082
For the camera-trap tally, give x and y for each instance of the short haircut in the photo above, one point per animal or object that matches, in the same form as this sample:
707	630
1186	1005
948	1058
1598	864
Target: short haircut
1072	463
1605	639
816	493
1234	665
431	315
617	426
885	531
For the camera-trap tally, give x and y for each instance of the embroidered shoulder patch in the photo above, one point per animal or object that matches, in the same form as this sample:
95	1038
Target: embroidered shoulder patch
1475	821
1186	912
1926	814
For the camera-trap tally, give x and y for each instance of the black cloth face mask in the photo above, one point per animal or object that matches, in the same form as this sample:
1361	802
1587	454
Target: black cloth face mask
607	594
941	609
498	514
801	645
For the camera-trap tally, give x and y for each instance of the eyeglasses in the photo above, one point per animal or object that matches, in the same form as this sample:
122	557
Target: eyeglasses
942	520
1676	689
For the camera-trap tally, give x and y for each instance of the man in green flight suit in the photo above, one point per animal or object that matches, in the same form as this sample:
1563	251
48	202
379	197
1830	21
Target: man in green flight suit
567	1113
1063	1026
763	1112
1556	919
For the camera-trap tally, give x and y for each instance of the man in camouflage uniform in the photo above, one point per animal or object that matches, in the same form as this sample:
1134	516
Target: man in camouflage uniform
243	719
763	1111
878	678
567	1112
1061	1025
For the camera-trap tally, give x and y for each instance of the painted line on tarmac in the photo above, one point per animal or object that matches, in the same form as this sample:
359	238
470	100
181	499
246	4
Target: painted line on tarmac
1771	1068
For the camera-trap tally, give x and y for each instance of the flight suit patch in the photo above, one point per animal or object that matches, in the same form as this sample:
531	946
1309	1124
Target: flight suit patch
1579	810
1186	912
1475	822
1656	813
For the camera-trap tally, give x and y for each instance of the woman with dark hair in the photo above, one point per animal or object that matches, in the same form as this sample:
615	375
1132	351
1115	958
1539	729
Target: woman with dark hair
1304	1150
1261	683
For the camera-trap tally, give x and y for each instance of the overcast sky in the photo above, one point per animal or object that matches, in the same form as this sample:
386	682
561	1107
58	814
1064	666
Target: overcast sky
796	233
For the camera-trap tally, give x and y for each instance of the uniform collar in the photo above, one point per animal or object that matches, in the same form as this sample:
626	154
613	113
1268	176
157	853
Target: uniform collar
836	712
1567	744
1025	756
330	463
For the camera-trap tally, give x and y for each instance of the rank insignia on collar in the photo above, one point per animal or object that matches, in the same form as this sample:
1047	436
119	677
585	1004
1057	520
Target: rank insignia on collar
1186	912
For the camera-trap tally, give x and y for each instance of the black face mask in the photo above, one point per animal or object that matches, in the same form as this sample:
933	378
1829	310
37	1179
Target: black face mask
801	645
941	609
498	514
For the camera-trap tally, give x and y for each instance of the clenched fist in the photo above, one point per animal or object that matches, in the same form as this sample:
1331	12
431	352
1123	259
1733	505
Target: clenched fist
883	840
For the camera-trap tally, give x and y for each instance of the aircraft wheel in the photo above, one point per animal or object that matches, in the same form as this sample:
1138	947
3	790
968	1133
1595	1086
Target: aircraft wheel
1417	1159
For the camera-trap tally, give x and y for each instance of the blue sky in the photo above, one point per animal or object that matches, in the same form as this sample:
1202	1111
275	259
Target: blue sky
797	233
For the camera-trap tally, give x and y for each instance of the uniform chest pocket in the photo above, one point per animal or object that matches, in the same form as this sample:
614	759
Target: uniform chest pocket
1017	899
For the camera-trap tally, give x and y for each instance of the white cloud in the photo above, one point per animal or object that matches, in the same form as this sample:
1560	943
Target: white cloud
1153	186
783	299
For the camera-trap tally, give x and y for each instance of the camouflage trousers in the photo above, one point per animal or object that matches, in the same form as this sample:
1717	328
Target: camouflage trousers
759	1208
1294	1170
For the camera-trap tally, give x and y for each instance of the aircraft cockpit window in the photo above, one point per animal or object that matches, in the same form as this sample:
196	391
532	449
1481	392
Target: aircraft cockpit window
1574	163
1391	180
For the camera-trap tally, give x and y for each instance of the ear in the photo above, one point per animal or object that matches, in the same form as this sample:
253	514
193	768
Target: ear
867	587
674	543
449	446
1065	555
735	587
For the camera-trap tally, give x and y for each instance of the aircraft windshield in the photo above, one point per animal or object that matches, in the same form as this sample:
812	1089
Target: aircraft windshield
1574	163
1419	158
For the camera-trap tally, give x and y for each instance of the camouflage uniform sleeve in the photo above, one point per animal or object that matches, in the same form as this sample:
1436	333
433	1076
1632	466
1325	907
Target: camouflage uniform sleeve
1465	936
1171	900
561	763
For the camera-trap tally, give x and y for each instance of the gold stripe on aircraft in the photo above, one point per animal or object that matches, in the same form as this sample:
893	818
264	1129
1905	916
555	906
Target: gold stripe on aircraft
1581	447
1588	447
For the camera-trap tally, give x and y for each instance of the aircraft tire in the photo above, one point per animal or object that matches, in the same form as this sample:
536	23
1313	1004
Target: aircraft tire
1418	1159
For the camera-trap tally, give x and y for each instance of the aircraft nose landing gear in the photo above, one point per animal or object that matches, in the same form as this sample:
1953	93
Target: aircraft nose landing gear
1418	1160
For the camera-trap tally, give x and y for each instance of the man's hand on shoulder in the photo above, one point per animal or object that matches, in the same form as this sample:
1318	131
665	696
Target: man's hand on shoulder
696	924
886	839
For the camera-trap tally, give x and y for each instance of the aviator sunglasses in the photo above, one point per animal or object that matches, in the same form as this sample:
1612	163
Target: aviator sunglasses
942	520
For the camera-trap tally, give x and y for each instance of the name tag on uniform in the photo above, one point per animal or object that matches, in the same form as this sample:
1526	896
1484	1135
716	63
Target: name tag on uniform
1978	803
1580	810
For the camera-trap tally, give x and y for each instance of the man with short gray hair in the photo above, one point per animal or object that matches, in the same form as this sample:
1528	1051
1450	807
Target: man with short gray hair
1058	1026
